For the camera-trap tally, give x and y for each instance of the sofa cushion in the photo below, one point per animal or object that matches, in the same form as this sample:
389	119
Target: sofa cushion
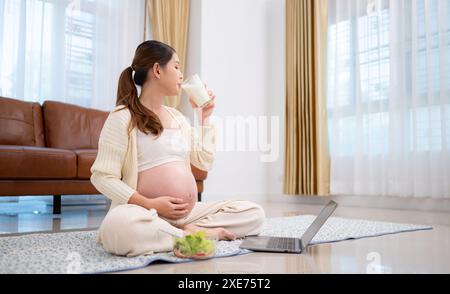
21	123
20	162
85	159
72	127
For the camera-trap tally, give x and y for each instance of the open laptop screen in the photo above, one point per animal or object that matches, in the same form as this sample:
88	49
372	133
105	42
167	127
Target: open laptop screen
318	223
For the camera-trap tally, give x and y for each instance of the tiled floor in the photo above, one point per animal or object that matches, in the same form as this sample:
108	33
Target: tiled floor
415	252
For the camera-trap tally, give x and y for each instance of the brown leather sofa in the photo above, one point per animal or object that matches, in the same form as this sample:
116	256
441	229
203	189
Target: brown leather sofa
49	149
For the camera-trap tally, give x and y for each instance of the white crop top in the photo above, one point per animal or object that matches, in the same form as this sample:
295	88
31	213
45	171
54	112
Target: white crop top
153	151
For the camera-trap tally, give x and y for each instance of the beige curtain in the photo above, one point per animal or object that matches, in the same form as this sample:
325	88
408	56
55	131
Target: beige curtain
170	22
307	163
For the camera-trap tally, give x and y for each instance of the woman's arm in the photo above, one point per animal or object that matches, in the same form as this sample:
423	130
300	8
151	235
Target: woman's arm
112	149
203	146
141	200
202	142
202	138
166	206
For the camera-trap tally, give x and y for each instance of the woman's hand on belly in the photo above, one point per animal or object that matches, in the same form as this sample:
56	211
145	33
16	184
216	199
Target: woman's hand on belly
171	207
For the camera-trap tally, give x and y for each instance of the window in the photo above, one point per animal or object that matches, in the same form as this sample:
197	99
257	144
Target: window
365	100
67	50
79	38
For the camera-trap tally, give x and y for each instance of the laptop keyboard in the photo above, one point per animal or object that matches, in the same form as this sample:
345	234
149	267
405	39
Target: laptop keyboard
282	243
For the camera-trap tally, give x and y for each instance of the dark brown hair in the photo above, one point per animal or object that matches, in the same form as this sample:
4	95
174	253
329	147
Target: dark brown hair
147	54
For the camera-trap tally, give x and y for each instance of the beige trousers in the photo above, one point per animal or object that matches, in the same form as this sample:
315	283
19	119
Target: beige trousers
133	230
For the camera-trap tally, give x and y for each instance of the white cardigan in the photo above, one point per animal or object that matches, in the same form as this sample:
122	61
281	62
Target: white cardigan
115	170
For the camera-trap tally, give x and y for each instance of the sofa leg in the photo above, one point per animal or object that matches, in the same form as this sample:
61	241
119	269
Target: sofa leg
199	196
56	204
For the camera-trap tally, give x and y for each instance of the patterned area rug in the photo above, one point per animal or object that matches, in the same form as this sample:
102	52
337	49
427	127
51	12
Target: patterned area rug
78	252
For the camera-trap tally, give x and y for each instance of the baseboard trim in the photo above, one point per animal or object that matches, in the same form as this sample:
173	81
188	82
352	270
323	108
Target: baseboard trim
258	198
419	204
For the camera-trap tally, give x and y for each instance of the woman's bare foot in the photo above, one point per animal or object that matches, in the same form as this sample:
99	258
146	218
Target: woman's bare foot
219	233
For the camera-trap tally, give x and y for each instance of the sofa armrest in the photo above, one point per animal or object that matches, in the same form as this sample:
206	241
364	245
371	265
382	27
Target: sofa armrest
199	175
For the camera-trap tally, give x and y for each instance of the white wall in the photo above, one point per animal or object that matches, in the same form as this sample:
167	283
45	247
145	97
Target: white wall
237	47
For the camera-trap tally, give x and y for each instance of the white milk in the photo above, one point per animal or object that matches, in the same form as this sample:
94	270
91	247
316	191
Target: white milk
194	87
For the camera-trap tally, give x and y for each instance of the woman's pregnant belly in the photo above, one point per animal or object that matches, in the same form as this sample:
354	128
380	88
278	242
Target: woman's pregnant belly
170	179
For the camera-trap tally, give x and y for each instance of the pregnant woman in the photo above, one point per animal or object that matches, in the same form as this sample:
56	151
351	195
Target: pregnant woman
145	152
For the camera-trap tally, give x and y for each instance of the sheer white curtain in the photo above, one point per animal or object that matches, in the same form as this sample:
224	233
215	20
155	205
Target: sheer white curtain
70	51
389	97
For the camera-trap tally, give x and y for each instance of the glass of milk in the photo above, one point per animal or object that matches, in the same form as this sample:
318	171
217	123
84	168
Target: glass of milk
195	88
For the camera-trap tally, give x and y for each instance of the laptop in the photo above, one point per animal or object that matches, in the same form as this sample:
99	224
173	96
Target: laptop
291	245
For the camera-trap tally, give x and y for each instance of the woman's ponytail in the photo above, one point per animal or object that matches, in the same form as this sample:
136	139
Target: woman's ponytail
145	119
126	89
